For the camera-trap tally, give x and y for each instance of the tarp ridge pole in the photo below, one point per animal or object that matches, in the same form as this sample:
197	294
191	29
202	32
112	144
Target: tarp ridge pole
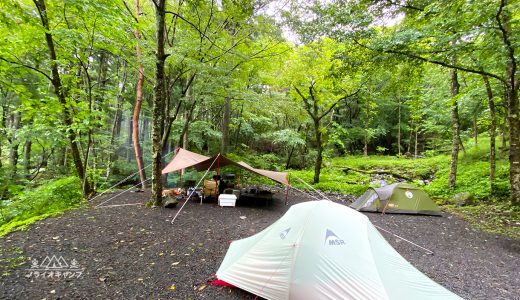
402	238
189	196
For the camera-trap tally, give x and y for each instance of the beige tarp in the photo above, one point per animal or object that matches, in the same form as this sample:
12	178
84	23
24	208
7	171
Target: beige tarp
185	159
280	177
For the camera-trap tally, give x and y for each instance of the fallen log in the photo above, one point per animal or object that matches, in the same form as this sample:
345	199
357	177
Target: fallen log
379	172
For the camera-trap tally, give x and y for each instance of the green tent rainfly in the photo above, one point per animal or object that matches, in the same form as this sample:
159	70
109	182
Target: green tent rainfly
324	250
401	198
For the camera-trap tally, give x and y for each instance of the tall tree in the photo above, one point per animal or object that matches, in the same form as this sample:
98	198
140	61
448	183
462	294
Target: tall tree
158	102
455	86
60	92
138	101
315	79
492	132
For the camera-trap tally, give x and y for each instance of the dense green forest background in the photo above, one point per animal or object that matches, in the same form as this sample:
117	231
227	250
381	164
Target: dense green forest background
94	91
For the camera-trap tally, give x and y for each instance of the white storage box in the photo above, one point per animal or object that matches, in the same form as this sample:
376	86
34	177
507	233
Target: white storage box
227	200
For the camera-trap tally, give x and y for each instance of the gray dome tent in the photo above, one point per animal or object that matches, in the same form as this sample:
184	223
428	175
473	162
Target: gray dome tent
397	198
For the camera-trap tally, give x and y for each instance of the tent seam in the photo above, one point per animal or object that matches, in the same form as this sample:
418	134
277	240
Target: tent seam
377	270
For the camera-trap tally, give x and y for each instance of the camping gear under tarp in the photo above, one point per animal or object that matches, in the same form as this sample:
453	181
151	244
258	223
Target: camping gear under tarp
185	159
324	250
397	198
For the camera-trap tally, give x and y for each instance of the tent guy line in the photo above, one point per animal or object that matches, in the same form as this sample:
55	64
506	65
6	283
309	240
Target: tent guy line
378	227
427	251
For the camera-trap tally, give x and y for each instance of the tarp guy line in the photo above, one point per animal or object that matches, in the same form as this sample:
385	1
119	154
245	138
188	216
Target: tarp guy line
324	197
112	187
117	205
305	193
121	193
193	191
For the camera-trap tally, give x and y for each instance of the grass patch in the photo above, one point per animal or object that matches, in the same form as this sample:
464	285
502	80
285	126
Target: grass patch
492	218
10	258
489	211
49	199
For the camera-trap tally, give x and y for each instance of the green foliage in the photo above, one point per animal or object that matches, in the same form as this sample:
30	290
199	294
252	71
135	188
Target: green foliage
472	176
495	218
48	199
332	180
431	172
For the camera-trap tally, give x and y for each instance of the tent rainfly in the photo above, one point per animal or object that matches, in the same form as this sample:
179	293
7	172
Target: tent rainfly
324	250
185	159
401	198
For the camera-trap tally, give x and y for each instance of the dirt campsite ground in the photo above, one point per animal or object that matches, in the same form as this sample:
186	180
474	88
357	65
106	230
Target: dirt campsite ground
134	252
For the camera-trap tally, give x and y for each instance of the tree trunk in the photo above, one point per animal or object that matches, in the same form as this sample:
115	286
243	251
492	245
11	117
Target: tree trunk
183	138
116	125
137	108
291	152
102	76
27	158
415	147
158	105
319	157
504	138
62	98
492	133
475	129
62	159
514	146
455	129
14	144
226	118
513	117
239	127
365	142
3	124
399	127
410	138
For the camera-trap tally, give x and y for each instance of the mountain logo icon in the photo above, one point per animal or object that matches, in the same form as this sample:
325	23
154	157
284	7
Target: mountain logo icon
332	239
54	263
284	233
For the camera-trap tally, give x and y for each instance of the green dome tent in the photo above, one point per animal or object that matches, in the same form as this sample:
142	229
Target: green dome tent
401	198
324	250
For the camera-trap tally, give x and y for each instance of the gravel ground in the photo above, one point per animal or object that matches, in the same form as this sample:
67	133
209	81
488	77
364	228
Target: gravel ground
133	252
